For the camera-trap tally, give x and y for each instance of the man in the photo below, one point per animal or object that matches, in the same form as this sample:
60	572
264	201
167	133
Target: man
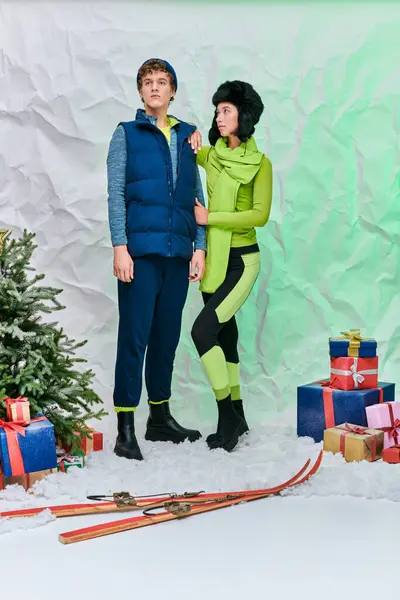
153	181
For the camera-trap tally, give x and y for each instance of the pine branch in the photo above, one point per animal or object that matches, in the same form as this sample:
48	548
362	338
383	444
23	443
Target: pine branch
37	358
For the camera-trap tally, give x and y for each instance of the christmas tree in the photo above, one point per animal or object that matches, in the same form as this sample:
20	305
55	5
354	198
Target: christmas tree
37	359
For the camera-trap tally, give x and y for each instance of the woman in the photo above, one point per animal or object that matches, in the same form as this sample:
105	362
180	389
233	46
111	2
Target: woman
239	187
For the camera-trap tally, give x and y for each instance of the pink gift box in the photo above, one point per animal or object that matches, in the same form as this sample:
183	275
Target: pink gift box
349	373
386	417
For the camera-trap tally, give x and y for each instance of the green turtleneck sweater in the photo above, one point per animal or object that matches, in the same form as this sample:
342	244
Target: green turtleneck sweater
253	202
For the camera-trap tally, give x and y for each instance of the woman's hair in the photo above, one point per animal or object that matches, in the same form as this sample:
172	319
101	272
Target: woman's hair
248	103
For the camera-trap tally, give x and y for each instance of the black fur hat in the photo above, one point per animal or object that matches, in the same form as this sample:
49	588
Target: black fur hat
248	103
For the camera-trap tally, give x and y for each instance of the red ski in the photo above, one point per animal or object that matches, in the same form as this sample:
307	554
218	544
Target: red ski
177	509
124	502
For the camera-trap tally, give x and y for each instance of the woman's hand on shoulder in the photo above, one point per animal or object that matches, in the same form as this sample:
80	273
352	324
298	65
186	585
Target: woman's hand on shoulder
196	141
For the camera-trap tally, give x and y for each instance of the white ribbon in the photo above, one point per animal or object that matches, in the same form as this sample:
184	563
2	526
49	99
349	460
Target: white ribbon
357	375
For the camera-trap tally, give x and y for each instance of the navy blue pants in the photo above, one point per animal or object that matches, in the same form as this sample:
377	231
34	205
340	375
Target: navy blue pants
150	316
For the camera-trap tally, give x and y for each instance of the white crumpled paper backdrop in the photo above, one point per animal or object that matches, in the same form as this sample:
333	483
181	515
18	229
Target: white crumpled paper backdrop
329	77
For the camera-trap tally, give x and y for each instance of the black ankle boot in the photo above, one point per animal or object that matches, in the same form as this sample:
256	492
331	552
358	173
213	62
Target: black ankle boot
238	406
162	427
126	444
230	426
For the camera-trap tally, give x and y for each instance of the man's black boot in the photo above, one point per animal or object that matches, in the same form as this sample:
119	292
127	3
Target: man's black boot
230	426
126	444
238	406
162	427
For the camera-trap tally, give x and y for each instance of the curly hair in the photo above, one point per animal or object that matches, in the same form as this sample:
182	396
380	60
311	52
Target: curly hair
248	102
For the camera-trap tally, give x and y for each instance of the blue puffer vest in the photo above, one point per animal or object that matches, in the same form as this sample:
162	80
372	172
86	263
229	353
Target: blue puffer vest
160	219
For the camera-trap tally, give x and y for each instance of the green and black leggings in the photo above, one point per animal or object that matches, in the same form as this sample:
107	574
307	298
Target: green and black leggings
215	333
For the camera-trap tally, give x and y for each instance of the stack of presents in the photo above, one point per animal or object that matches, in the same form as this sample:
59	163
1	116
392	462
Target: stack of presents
352	412
28	449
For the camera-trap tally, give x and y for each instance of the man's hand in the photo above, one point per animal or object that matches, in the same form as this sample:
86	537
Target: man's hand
197	265
201	214
195	140
123	264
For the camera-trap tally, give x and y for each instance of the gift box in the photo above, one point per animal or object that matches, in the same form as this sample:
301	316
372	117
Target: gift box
26	481
72	461
387	419
94	443
27	449
354	442
350	343
18	409
320	407
391	455
354	373
65	461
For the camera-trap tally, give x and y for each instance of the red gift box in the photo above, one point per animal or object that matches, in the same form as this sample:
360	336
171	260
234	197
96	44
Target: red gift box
349	373
391	455
18	409
94	443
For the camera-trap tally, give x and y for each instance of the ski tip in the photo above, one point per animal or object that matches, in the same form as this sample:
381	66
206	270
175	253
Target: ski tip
318	462
313	469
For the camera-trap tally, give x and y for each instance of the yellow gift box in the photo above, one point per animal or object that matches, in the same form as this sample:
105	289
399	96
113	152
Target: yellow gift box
355	443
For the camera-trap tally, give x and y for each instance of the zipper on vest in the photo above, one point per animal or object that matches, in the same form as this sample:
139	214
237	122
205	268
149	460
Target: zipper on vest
169	179
170	193
179	163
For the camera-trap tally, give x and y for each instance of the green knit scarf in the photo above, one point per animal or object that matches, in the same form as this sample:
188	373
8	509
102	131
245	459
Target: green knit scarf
236	167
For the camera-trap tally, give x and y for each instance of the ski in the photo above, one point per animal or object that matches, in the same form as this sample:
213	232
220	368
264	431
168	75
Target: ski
177	509
124	502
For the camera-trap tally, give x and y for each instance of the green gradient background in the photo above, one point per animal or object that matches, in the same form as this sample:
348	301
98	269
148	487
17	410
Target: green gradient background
330	252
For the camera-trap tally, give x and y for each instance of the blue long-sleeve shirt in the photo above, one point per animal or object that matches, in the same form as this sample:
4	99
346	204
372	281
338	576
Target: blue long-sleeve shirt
116	165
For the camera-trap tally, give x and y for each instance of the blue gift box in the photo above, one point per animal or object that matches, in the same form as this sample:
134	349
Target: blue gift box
38	448
340	347
348	407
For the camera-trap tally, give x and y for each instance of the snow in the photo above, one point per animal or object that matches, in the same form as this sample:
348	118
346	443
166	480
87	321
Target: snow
336	528
8	525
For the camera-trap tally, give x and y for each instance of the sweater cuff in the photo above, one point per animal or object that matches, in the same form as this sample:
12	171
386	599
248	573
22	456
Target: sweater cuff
122	241
212	218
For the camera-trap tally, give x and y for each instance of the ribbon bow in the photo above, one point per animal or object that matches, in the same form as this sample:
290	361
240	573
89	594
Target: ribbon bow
68	459
392	429
357	377
14	400
353	334
354	429
13	426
